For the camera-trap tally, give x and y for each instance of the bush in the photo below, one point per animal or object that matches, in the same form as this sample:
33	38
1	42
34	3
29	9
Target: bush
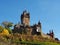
5	32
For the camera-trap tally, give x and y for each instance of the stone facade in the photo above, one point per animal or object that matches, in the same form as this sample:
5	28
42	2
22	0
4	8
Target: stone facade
25	27
25	18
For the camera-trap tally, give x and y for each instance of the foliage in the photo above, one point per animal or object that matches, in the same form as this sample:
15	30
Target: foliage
56	39
26	40
39	43
7	25
5	32
10	31
1	29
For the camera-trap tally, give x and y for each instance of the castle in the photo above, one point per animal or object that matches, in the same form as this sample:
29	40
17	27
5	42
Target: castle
25	28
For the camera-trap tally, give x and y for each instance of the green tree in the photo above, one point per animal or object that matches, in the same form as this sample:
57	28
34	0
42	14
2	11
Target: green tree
8	25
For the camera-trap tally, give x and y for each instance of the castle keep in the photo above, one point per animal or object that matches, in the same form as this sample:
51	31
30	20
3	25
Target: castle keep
25	28
25	18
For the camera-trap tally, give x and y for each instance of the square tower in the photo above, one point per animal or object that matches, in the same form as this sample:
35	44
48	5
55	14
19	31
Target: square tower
25	18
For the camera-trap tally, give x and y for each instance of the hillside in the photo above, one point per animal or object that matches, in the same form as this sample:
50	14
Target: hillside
29	43
18	39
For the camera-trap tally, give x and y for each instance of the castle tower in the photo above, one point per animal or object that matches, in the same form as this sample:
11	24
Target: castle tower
52	34
39	31
25	18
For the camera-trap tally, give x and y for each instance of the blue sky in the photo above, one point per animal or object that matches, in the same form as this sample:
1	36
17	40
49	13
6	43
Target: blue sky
47	11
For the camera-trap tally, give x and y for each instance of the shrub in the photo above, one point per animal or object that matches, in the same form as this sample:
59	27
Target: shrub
5	32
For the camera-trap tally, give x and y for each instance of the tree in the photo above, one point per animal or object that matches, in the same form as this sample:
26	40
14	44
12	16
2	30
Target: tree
5	32
1	29
56	39
7	25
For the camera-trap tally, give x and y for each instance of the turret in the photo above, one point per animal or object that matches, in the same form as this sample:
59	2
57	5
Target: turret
38	28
